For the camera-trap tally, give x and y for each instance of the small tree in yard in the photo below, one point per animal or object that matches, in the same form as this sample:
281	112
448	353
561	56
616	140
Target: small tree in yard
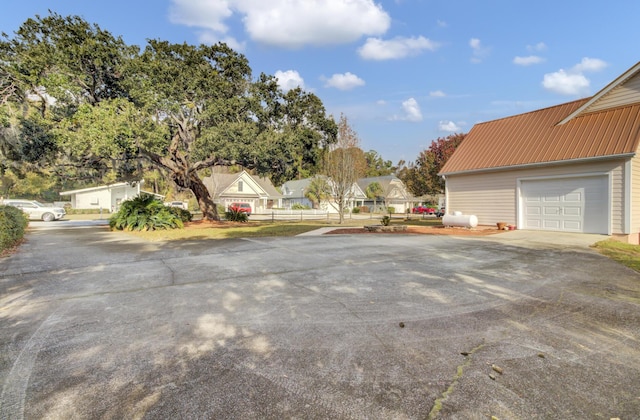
318	190
374	190
344	165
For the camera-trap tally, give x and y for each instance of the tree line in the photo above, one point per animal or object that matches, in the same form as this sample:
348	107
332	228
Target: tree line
79	106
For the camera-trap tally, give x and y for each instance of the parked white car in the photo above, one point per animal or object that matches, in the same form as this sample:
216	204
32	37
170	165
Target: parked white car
36	210
179	204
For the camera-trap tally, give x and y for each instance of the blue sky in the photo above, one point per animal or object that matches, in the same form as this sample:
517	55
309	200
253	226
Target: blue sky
404	72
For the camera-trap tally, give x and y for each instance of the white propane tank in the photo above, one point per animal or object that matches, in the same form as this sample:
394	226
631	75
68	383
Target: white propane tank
458	219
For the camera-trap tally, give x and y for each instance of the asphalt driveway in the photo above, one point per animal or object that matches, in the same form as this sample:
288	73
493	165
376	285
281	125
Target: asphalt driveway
95	324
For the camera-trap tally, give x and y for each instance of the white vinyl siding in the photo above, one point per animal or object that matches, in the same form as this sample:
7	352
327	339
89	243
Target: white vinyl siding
624	94
635	195
491	196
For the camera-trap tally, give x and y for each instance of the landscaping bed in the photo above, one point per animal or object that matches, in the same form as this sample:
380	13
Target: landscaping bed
421	230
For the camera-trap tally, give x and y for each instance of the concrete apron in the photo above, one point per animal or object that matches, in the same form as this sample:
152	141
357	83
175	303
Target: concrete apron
544	239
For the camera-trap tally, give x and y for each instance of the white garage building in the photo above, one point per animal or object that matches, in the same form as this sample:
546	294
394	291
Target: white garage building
573	167
105	197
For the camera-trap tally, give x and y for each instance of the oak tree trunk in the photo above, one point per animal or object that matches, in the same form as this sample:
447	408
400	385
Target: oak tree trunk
194	183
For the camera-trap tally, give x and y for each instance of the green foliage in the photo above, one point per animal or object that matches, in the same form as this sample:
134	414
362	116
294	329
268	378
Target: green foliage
391	210
17	183
13	223
184	215
376	166
236	216
386	220
298	206
105	109
145	213
355	210
318	190
624	253
374	190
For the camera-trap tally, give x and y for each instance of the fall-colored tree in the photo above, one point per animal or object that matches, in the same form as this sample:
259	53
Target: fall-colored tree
344	165
421	177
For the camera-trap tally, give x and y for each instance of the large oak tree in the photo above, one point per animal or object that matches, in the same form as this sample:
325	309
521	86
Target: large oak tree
106	107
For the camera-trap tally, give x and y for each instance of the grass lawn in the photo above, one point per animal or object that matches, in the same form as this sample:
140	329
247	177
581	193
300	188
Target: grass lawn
253	229
623	253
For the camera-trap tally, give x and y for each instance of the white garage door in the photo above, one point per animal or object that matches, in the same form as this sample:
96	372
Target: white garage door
566	204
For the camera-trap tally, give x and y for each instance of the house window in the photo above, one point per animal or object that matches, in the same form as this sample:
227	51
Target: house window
240	186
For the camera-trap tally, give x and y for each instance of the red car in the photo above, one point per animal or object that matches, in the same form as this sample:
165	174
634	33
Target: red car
241	207
423	210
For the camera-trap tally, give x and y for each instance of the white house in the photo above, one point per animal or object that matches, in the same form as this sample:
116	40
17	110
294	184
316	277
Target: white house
106	197
294	192
394	193
227	188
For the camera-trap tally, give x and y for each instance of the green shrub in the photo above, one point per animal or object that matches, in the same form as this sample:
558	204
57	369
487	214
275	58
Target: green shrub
298	206
184	215
391	210
13	223
386	220
236	216
356	210
145	212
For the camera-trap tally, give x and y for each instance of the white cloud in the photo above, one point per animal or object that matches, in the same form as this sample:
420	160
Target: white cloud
479	51
287	23
437	94
201	13
346	81
399	47
381	102
441	24
527	61
411	110
566	83
589	64
289	79
573	82
450	126
540	46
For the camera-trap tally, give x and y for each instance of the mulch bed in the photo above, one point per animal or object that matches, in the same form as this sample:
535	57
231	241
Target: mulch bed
411	230
422	230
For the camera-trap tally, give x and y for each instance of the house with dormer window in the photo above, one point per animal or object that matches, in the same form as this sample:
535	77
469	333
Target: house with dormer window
227	188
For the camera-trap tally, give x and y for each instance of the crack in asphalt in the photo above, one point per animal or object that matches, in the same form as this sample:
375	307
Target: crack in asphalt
437	404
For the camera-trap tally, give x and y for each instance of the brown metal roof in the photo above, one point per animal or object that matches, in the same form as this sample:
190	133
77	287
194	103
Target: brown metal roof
536	138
